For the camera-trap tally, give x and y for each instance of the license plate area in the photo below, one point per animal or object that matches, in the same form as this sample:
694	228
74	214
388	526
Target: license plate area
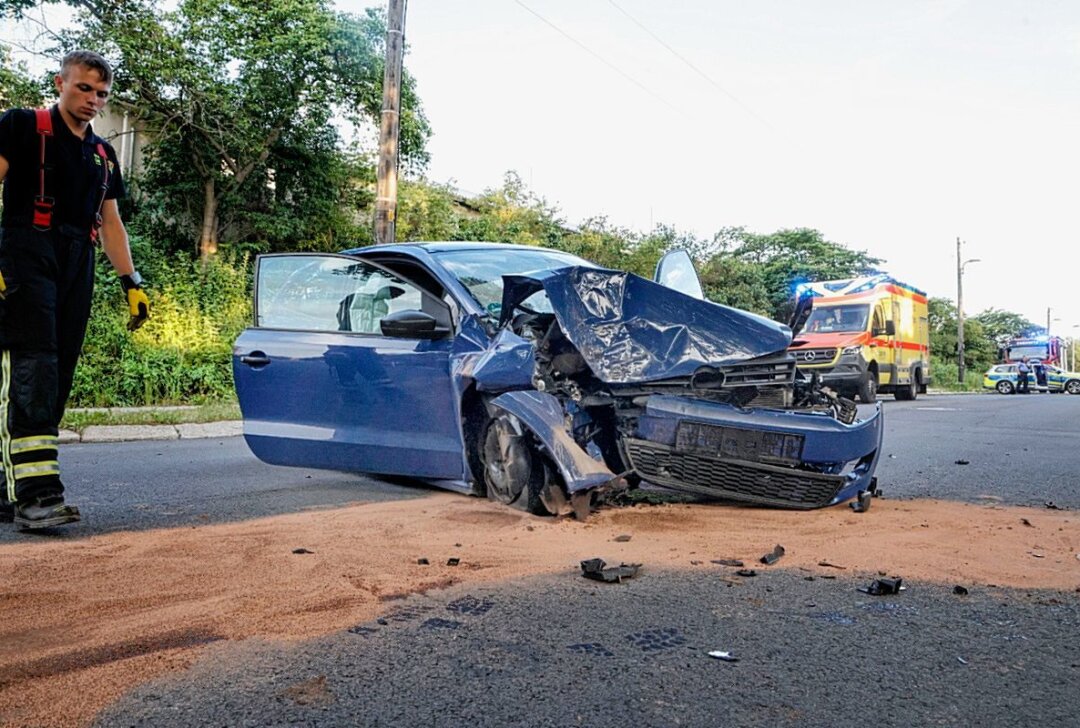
755	446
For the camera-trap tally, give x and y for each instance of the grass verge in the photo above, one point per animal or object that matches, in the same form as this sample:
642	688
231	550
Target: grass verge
79	420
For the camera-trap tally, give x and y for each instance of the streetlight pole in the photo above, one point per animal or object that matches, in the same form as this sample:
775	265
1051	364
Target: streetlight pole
960	263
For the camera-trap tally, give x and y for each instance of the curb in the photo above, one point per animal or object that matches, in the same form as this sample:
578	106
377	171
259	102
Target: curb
127	433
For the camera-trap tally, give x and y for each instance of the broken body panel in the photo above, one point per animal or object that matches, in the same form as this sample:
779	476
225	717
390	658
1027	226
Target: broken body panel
616	379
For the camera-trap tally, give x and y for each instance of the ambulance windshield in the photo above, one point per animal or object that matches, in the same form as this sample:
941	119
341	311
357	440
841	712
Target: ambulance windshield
838	318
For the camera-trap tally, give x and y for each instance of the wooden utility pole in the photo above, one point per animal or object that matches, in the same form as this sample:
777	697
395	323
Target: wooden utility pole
386	175
959	314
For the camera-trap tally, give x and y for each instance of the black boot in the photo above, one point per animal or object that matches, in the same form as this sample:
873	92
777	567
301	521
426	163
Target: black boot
44	513
7	512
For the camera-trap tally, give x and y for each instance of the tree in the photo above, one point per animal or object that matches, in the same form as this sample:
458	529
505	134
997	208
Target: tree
17	89
980	351
241	96
763	270
1000	324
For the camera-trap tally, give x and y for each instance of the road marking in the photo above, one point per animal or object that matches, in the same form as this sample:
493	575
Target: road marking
939	409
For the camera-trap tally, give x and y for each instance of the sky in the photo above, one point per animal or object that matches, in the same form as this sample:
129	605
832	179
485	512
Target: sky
893	128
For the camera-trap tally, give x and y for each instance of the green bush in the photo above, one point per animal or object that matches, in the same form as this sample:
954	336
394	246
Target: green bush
183	353
945	375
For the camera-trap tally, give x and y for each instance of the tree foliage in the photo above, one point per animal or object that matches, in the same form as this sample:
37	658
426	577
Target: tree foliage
999	325
242	99
17	88
760	271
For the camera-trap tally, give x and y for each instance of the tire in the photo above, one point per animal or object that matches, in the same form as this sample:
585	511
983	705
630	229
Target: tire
515	473
909	391
1073	386
1004	387
868	387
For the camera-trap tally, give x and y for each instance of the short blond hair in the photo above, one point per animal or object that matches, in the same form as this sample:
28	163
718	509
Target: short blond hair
89	59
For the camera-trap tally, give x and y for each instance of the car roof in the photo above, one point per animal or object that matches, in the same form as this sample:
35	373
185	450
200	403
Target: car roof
440	246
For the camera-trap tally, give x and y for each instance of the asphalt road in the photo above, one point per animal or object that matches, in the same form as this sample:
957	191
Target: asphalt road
1021	449
1024	449
559	651
563	651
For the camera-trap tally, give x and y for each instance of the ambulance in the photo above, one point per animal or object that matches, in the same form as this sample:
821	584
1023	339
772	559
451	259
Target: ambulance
864	336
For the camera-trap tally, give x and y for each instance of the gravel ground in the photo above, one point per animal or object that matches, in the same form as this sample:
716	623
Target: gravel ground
534	652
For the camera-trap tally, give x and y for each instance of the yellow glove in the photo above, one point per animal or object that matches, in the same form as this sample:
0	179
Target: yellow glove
138	303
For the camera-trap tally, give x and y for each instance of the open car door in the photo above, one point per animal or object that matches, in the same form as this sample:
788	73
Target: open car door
347	367
676	271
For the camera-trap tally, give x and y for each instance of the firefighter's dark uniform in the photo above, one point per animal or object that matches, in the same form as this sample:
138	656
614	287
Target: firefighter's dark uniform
49	277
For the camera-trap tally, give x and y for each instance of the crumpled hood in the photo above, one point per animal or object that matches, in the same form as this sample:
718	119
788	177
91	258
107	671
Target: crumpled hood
629	329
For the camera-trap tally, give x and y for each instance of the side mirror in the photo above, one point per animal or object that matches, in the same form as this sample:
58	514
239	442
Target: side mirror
410	324
890	328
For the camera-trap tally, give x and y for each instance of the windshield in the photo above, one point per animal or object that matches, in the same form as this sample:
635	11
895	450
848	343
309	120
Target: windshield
1037	351
838	318
481	272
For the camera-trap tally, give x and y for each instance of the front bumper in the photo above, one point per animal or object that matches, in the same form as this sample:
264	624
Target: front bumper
754	458
845	375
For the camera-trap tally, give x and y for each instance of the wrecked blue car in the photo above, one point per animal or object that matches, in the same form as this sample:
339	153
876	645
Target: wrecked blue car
537	379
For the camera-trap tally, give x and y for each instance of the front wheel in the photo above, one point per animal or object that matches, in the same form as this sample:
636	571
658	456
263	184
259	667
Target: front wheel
910	390
1004	387
1073	386
868	388
515	473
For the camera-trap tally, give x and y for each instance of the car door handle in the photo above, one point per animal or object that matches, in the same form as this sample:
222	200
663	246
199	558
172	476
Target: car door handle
255	359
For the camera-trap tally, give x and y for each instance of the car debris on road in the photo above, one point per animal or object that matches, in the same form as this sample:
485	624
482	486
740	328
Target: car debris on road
594	569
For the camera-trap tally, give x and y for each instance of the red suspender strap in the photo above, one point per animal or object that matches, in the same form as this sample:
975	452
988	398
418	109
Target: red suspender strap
43	205
104	191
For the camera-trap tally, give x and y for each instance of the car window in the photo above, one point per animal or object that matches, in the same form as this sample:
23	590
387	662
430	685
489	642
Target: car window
321	293
481	272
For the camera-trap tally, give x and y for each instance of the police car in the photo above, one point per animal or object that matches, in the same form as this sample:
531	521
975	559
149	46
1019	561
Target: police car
1003	379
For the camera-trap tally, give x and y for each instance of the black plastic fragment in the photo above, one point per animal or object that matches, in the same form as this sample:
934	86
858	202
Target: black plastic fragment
622	538
959	590
727	562
961	461
422	562
746	572
773	556
302	551
453	561
882	587
861	504
594	569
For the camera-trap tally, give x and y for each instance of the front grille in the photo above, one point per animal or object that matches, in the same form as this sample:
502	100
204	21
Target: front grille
758	483
760	373
814	356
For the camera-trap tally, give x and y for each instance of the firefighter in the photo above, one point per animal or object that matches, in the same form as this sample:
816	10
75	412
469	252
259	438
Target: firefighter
61	186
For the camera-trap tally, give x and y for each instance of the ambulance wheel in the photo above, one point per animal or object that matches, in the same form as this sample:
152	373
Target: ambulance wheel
909	391
1005	387
1073	386
868	388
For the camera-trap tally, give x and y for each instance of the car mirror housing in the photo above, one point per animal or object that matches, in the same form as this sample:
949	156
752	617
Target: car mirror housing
890	328
410	324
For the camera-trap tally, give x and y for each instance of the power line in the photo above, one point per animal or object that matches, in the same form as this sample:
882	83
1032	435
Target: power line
697	70
600	58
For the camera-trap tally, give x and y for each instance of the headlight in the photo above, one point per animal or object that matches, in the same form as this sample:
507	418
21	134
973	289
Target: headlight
852	350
